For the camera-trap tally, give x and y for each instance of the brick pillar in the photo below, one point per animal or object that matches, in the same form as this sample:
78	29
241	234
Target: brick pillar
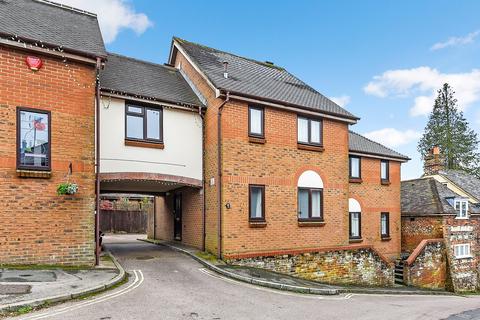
434	161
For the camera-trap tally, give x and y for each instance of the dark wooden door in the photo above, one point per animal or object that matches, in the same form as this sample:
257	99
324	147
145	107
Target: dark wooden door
177	216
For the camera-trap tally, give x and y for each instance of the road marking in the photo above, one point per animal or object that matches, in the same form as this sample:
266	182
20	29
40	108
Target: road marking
285	293
134	285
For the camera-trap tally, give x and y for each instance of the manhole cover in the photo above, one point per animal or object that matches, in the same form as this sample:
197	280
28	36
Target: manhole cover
145	258
14	288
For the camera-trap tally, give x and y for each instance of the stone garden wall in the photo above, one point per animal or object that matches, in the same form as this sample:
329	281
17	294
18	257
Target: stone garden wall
426	267
361	266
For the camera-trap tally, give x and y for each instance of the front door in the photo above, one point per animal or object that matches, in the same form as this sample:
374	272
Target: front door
177	216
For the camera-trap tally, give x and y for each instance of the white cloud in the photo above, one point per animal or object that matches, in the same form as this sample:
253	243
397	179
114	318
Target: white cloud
422	83
113	16
392	137
342	101
456	41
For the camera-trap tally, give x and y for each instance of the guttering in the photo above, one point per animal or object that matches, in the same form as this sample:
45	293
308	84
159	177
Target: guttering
74	55
97	163
377	156
291	107
219	173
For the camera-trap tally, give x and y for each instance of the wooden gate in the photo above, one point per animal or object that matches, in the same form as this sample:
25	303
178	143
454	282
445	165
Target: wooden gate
123	221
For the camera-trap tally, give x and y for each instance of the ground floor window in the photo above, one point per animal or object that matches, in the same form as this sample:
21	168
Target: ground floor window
310	204
257	203
33	139
462	251
355	225
385	224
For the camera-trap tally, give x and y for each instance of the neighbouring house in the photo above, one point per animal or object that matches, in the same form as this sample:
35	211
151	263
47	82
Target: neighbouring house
440	228
49	59
240	157
288	186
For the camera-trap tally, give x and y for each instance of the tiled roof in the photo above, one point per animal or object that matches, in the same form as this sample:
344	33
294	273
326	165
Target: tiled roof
463	180
427	196
247	77
53	24
358	143
136	77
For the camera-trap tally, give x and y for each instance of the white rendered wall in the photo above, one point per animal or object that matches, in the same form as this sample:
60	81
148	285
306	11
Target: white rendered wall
182	136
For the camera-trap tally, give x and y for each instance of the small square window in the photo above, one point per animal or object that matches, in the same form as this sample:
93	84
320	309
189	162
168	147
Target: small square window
461	206
309	131
143	123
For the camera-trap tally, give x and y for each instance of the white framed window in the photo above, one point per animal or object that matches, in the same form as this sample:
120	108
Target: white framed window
462	251
461	206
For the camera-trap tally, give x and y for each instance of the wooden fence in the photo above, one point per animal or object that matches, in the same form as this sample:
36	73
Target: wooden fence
123	221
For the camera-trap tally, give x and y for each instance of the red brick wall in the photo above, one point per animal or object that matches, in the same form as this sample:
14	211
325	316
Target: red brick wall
375	198
38	226
416	229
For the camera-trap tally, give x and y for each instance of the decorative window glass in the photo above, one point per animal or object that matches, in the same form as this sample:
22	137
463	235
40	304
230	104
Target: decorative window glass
255	121
33	139
385	170
143	123
385	225
355	222
461	206
355	167
462	251
257	203
309	131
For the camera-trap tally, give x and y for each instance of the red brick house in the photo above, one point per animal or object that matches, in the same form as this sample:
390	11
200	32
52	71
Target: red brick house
441	229
285	178
47	107
244	159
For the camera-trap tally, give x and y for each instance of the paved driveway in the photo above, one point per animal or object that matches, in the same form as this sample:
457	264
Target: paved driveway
169	285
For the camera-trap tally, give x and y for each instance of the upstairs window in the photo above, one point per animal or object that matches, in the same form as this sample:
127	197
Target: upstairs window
33	139
309	131
256	122
385	170
385	225
257	203
461	206
310	197
462	251
355	167
143	123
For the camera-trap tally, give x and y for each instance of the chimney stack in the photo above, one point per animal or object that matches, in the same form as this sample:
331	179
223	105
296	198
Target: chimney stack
434	161
225	69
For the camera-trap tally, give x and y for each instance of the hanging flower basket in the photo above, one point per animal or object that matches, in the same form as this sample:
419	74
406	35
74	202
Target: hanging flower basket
67	188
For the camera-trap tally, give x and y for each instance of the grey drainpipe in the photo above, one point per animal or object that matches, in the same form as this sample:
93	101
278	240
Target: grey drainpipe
97	164
219	174
204	208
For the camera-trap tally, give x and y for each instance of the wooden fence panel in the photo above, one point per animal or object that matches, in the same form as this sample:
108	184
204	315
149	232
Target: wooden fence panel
123	221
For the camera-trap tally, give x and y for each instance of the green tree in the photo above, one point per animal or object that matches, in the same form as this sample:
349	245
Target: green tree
448	129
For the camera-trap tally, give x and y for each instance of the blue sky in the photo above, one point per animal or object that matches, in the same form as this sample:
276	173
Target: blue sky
382	59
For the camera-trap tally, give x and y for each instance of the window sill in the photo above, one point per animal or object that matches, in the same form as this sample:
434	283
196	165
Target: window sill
309	147
355	240
24	173
311	223
386	238
355	180
144	144
385	182
257	140
464	257
461	218
257	224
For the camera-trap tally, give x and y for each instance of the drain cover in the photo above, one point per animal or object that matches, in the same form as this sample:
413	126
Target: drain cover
145	258
14	289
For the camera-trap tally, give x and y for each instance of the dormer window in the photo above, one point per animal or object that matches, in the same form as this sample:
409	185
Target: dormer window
461	206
